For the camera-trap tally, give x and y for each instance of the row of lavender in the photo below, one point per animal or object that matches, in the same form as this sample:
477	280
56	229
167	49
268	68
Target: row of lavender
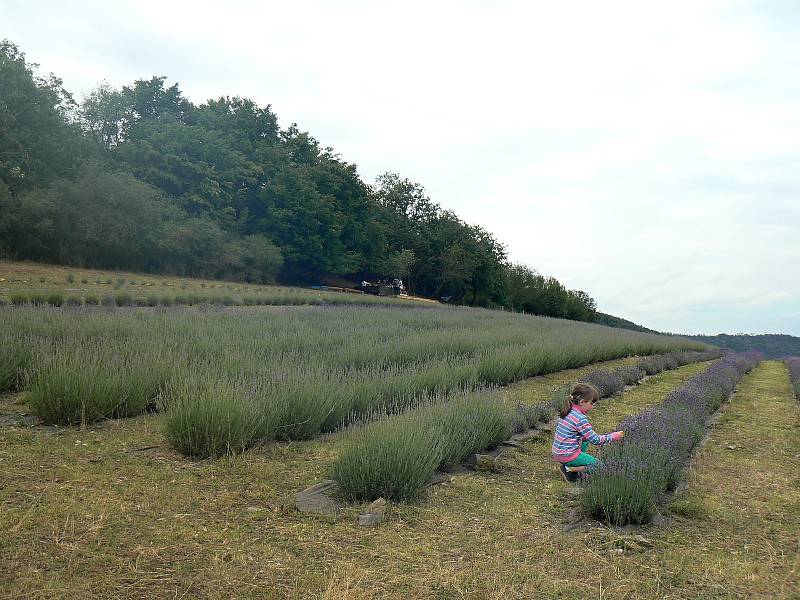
396	457
609	383
793	364
658	443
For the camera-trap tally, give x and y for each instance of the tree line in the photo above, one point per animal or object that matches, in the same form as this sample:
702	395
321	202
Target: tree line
142	179
773	346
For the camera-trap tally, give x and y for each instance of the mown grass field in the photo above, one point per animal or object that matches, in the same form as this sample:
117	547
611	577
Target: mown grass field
86	514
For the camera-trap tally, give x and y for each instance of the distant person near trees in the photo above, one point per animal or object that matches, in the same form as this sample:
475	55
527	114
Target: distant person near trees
574	433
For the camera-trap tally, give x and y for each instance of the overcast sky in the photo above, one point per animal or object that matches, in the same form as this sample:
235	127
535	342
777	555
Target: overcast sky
647	153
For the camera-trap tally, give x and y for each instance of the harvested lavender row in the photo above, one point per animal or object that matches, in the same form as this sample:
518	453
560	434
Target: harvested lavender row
609	383
793	364
657	445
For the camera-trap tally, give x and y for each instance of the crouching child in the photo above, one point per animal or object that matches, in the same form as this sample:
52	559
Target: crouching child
574	433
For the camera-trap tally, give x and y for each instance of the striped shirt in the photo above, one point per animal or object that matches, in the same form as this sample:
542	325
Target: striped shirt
571	431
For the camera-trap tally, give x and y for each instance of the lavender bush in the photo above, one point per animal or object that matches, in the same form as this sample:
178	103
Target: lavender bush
607	383
632	373
793	364
526	416
656	364
395	457
658	442
686	358
15	356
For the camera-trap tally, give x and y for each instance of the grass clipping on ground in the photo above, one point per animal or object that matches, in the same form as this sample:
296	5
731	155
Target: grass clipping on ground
86	514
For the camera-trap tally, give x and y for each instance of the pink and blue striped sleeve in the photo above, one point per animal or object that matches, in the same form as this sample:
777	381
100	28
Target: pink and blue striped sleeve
588	434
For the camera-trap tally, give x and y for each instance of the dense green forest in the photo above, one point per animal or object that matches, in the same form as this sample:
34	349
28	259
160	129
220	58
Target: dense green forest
141	179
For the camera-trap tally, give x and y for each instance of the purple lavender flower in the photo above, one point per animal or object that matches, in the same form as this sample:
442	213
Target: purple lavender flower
630	374
607	383
658	442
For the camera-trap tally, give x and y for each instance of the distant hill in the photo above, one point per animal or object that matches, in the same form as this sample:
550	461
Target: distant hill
612	321
772	345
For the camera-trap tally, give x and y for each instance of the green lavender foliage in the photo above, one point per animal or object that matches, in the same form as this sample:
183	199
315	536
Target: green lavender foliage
90	382
18	298
392	461
55	299
213	418
395	458
74	388
16	354
317	368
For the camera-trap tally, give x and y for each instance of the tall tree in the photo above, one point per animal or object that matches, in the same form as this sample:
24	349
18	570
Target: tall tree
39	139
106	115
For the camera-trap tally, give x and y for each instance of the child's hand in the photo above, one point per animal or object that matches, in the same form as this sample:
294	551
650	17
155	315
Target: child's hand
617	435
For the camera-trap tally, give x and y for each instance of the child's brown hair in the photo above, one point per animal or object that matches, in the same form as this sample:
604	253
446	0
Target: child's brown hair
580	391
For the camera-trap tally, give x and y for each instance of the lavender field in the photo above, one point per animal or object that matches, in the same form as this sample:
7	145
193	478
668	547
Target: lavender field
396	457
229	378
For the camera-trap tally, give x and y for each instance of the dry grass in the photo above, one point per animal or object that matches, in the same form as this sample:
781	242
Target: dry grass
86	515
741	513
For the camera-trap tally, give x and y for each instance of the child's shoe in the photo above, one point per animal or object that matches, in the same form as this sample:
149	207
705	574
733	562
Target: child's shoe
568	476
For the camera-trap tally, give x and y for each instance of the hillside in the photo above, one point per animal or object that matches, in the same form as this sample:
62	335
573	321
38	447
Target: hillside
772	345
141	179
34	283
612	321
222	525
